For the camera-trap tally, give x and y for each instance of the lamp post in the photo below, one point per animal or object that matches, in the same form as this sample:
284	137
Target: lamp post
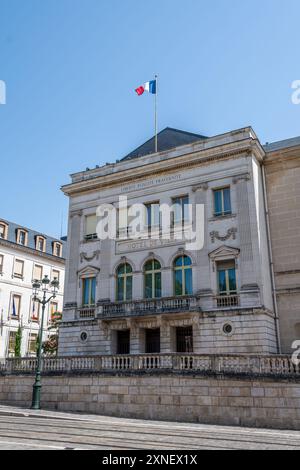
44	285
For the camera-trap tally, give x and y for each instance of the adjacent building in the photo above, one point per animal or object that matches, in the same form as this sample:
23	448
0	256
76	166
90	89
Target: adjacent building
282	169
26	255
238	294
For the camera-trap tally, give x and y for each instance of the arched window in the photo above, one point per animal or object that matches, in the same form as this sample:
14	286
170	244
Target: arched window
124	282
152	279
183	281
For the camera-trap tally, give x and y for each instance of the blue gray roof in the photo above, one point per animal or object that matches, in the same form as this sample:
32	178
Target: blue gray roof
32	234
168	139
282	144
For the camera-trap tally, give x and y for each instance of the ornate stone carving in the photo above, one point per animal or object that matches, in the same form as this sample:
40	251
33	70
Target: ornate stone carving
243	177
85	257
105	328
230	233
200	187
132	325
76	213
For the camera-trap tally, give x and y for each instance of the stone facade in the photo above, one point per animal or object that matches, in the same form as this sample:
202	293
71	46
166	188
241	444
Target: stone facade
259	402
282	167
247	325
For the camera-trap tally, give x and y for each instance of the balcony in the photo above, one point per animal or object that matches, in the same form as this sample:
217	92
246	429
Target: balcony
227	301
148	307
86	312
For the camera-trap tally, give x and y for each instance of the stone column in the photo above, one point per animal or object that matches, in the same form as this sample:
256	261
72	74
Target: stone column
165	338
134	336
138	285
167	282
72	264
246	265
202	273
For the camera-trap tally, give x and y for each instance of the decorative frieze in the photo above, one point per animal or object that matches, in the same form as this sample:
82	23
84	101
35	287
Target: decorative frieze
86	257
231	233
200	187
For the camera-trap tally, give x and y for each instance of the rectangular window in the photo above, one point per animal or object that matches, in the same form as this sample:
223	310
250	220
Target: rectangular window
184	339
40	244
15	306
57	249
89	291
152	340
222	201
91	227
21	237
123	342
227	278
38	272
12	342
122	223
32	343
181	210
1	263
2	231
153	216
19	269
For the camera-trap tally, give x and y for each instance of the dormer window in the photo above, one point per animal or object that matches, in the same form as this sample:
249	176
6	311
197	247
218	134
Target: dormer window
22	237
40	244
57	249
3	230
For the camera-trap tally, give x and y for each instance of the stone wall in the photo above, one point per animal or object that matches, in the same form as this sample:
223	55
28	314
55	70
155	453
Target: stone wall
251	401
283	176
252	332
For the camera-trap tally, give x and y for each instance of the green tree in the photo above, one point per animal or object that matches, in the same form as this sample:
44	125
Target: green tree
18	342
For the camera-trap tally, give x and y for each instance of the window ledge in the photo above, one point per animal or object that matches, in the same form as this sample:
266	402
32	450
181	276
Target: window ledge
222	217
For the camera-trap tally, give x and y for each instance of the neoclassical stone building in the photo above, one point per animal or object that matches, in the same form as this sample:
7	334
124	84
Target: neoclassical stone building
129	296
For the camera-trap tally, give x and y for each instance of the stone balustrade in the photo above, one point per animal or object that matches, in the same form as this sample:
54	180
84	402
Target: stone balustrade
148	306
227	301
219	364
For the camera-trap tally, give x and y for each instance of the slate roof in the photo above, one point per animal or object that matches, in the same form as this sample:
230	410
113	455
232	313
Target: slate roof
168	138
32	234
282	144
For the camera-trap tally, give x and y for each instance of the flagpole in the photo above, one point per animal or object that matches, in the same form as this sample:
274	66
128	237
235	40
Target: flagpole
155	113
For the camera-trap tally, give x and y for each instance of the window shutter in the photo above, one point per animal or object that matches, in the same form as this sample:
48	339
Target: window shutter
91	224
38	272
19	267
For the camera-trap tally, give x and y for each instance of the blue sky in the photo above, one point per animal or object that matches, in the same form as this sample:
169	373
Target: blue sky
71	66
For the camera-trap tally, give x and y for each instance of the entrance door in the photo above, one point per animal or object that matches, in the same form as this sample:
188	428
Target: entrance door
152	338
184	339
123	342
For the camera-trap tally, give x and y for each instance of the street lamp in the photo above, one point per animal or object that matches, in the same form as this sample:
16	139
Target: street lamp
45	286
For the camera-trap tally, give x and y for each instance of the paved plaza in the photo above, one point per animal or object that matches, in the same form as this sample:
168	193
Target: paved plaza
25	429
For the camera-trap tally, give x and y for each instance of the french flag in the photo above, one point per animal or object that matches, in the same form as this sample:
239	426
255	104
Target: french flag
150	87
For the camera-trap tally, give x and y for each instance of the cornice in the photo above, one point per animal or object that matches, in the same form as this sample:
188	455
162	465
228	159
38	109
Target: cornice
245	147
31	251
281	156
